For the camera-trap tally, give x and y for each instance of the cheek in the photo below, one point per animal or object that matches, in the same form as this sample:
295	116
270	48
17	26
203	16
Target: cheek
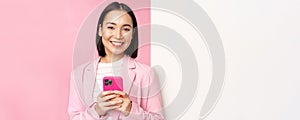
106	35
128	37
128	41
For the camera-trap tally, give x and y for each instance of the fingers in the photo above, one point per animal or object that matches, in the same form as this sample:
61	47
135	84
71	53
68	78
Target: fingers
125	108
116	102
105	93
109	95
101	110
112	107
107	98
110	100
103	107
121	93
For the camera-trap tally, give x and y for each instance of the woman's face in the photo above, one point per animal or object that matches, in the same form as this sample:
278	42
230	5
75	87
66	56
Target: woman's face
116	32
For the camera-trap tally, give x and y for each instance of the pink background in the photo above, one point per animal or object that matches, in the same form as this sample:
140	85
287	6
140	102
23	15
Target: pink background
37	42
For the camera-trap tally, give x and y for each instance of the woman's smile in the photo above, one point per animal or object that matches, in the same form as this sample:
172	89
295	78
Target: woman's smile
117	43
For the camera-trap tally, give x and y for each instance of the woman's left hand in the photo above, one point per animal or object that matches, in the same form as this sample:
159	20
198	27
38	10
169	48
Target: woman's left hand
125	106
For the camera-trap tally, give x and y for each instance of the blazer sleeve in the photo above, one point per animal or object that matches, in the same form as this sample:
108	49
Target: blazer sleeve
151	105
77	110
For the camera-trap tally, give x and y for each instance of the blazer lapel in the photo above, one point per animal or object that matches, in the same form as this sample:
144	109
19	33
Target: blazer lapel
89	79
128	74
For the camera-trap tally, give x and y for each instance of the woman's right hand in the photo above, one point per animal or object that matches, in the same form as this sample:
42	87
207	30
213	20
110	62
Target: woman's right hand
106	101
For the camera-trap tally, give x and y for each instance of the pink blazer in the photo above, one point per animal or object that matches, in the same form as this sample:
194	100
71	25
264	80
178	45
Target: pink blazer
139	82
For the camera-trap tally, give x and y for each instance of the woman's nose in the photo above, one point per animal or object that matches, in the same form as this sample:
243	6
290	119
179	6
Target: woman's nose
118	34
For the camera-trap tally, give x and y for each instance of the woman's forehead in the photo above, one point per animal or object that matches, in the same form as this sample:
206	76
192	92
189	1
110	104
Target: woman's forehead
117	17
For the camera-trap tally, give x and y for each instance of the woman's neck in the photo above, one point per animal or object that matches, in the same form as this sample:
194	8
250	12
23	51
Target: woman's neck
111	58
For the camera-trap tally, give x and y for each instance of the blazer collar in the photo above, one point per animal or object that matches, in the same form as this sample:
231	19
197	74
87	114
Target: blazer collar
127	59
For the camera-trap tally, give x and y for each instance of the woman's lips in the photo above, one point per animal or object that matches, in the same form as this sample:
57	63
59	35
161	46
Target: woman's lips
116	43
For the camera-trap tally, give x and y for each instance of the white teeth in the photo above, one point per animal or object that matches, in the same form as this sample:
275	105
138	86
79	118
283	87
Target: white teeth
116	43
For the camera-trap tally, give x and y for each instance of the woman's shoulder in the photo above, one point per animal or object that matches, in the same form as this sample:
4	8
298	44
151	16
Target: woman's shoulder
144	73
138	63
141	67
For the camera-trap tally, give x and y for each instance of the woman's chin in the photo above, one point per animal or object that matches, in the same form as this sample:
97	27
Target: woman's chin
118	53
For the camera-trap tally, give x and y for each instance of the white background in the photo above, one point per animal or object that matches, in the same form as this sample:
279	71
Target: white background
261	39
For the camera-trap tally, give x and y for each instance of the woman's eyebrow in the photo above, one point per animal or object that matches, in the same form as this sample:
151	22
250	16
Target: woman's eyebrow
111	23
116	24
127	25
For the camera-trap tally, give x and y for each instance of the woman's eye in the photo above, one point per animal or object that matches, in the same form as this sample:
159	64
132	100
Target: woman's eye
127	29
110	27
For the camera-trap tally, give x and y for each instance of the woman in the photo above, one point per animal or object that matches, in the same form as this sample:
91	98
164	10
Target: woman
117	43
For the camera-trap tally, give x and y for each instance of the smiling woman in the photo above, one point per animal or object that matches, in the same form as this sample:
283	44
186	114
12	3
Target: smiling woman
117	44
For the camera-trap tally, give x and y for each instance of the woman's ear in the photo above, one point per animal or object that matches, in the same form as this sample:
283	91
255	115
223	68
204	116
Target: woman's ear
100	30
